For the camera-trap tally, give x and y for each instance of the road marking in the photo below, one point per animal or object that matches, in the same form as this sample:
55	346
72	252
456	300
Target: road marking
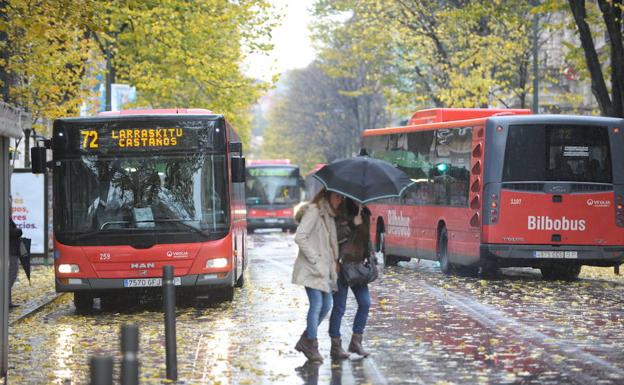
370	367
492	319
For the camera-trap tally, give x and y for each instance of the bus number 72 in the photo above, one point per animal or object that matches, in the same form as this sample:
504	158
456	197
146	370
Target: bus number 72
90	139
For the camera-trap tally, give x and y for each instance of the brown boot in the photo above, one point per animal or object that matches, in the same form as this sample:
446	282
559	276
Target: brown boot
336	351
309	348
356	345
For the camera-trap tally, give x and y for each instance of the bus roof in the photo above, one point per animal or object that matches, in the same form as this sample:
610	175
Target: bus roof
446	117
436	115
164	111
316	167
269	162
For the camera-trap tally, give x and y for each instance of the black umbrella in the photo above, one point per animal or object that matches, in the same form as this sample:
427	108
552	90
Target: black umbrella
364	179
25	256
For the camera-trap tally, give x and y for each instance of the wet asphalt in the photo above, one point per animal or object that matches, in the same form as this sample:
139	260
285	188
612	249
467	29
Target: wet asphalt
424	328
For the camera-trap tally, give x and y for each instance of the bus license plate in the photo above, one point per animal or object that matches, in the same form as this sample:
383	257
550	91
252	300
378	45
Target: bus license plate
149	282
271	220
555	254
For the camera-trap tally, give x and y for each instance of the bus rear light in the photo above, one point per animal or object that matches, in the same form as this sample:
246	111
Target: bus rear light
616	130
619	211
494	204
216	263
67	268
493	212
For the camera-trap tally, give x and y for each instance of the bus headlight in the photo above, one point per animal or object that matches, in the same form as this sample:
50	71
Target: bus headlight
216	263
67	268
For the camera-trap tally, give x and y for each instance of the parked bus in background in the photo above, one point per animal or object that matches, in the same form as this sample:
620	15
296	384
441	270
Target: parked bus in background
312	185
501	188
273	189
137	190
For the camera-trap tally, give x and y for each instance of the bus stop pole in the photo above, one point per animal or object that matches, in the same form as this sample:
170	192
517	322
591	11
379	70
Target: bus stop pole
101	369
170	323
130	355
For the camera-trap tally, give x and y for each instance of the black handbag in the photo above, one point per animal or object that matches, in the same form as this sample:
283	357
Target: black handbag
360	273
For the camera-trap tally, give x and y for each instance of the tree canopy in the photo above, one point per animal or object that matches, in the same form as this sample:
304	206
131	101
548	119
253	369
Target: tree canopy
177	53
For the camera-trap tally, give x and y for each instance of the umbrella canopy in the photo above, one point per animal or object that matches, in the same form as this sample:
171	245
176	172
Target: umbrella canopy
364	179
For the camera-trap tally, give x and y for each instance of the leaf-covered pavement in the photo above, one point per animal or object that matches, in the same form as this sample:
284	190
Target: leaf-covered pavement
424	328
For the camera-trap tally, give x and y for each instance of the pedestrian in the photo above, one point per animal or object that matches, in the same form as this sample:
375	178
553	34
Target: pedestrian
352	225
315	266
15	233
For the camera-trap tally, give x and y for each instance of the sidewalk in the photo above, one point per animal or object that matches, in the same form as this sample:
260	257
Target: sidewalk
31	295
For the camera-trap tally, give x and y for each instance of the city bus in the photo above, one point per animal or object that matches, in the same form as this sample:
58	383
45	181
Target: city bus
273	189
503	188
140	189
312	185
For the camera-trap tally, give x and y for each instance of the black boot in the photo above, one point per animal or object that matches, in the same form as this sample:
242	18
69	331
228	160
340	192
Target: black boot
309	348
336	351
356	345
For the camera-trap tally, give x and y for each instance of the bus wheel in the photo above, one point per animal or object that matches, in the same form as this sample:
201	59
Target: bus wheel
83	301
225	294
566	273
467	271
388	260
442	252
240	282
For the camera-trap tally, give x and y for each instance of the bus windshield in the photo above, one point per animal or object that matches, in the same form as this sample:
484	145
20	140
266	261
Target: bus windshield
557	153
272	185
141	199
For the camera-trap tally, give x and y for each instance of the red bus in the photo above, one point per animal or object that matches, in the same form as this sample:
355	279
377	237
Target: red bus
273	189
312	185
137	190
502	188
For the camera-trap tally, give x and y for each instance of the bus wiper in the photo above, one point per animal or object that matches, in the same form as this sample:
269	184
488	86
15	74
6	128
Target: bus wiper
96	232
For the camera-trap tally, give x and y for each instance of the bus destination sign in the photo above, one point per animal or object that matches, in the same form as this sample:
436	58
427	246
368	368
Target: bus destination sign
132	138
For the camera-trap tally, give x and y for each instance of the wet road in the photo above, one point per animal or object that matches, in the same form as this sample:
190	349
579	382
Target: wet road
424	328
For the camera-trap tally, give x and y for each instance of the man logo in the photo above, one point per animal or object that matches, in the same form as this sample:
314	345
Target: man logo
149	265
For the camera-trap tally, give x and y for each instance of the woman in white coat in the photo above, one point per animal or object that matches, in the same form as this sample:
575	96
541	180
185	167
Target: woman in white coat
315	267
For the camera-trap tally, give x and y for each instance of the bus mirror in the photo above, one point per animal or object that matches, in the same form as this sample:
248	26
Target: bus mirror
236	147
238	169
38	160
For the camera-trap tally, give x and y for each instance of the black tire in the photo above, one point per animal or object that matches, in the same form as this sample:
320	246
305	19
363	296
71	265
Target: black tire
225	294
240	282
565	273
467	271
442	252
83	301
388	260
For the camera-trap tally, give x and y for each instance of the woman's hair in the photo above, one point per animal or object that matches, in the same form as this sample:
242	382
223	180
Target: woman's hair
323	193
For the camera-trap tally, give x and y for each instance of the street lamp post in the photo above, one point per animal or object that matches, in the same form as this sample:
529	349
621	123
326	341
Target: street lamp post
27	132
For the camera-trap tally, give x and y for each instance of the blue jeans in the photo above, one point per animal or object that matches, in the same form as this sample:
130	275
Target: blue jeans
320	303
362	296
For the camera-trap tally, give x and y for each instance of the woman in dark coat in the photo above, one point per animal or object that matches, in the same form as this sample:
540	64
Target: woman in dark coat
15	234
352	228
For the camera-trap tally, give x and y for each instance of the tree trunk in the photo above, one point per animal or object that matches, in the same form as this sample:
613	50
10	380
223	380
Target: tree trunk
4	56
599	87
612	13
